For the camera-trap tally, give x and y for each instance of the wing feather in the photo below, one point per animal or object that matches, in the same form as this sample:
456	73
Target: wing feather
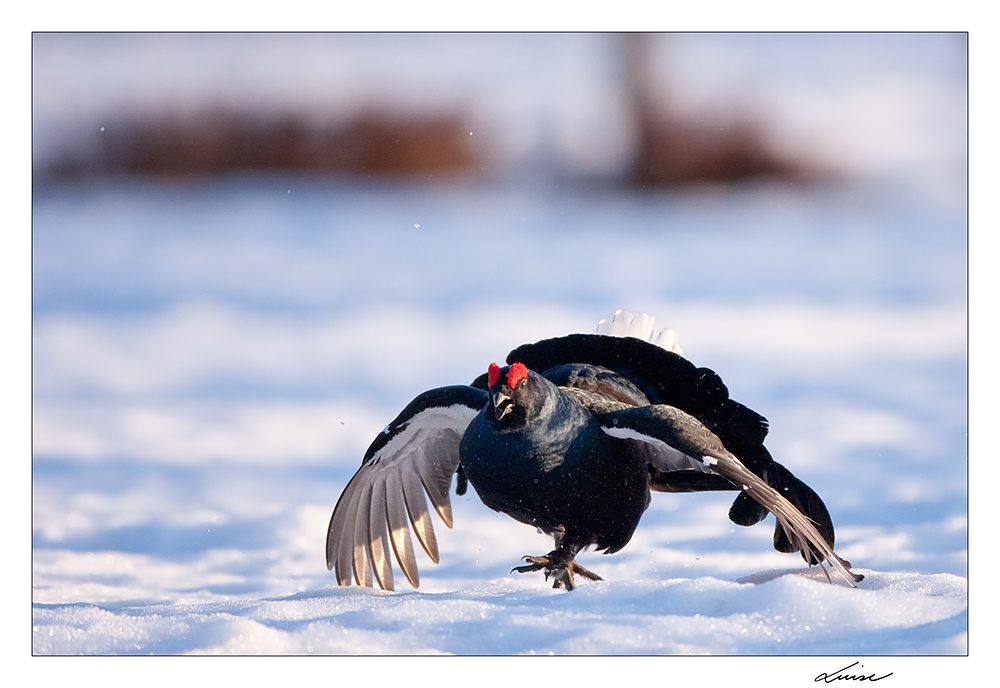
799	529
420	517
362	572
436	476
340	541
377	538
399	532
417	454
678	441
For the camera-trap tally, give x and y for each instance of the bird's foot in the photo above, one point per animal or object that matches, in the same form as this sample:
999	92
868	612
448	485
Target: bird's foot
561	571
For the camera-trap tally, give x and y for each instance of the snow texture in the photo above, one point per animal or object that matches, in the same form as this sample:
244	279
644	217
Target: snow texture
211	359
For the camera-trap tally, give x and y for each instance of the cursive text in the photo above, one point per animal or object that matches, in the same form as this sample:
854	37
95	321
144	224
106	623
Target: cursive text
839	675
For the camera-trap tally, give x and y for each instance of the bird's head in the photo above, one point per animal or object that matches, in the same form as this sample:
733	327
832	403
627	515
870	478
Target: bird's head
509	391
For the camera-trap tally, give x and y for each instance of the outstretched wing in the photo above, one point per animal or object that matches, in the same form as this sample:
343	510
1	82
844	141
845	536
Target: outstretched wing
416	453
676	441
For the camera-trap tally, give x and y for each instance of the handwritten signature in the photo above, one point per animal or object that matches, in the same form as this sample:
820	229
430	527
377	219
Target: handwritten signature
839	675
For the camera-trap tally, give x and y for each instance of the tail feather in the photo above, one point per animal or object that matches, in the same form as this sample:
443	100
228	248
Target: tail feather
747	512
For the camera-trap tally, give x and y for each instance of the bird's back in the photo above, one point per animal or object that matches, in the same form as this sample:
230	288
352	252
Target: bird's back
560	471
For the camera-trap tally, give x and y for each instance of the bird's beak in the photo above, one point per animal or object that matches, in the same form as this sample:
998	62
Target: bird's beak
502	404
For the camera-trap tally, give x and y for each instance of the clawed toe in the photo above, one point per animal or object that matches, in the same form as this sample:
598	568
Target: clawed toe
590	575
561	573
535	564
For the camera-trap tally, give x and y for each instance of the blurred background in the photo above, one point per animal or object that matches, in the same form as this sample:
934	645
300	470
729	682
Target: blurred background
627	109
250	251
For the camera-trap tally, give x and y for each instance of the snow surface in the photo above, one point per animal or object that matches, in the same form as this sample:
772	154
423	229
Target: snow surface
211	362
211	359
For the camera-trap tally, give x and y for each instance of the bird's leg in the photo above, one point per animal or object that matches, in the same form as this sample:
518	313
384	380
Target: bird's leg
559	564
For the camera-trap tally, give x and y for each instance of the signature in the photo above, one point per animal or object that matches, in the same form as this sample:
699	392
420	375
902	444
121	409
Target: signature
839	675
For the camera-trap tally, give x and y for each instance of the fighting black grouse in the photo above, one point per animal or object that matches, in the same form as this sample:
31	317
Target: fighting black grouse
570	437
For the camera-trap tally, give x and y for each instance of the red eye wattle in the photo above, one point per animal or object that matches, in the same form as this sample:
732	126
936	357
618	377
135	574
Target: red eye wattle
494	373
517	372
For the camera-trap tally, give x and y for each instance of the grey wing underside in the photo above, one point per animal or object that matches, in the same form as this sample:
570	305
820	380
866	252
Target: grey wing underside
417	454
675	441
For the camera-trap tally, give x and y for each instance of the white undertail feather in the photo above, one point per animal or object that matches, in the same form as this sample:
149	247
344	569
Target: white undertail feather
641	326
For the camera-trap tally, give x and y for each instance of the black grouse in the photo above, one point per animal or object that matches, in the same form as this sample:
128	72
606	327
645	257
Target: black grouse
570	437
